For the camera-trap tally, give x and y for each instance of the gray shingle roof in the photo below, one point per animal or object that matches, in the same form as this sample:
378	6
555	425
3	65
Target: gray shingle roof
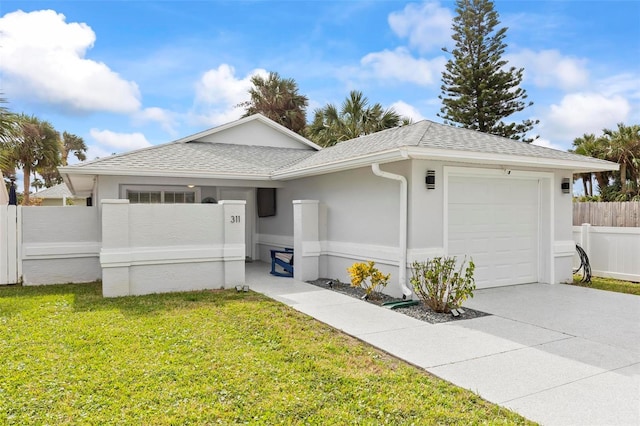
202	157
428	134
56	191
448	137
262	161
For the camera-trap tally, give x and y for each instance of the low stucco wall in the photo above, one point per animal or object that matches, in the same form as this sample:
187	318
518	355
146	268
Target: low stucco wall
60	245
157	248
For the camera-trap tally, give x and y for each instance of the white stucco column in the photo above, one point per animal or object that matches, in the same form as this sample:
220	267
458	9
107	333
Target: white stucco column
234	218
306	244
115	245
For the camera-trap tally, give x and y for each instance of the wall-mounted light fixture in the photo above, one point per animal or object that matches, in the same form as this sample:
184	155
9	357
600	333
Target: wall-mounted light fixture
430	179
565	186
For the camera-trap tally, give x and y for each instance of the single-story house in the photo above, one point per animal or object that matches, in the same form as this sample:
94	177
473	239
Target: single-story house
59	195
396	196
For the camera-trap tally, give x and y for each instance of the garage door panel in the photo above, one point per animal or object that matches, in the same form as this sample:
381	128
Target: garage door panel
495	221
481	273
480	246
503	272
525	244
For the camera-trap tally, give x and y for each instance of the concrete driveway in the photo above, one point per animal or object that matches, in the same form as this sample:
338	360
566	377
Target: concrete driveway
580	363
557	354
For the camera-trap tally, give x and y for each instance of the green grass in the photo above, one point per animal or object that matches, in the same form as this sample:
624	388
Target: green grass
69	356
610	284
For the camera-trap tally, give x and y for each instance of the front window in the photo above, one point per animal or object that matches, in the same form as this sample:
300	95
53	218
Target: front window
145	195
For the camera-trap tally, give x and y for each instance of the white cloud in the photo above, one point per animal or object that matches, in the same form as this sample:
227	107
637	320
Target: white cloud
218	92
165	118
221	85
549	68
627	84
426	25
43	58
580	113
547	144
400	65
406	110
119	142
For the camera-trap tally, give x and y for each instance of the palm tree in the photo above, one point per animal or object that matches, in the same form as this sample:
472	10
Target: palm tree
69	143
624	148
278	99
35	148
356	118
591	146
8	131
74	144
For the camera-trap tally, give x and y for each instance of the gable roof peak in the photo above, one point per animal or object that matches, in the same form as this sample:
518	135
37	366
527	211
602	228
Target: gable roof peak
255	117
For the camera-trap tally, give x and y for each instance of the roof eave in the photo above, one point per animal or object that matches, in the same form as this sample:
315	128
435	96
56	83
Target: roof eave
395	154
66	172
576	166
422	153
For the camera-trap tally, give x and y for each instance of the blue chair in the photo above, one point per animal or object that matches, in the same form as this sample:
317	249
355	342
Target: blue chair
283	259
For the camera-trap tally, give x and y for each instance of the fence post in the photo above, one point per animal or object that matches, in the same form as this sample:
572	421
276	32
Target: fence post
4	246
9	245
306	243
585	238
115	253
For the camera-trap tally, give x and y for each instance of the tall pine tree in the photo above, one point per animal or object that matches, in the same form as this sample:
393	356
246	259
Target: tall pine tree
478	91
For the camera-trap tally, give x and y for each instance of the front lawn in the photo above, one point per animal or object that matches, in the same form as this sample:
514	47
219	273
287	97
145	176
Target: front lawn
610	284
67	355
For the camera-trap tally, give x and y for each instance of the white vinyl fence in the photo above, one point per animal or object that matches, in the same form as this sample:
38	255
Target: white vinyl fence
9	245
614	252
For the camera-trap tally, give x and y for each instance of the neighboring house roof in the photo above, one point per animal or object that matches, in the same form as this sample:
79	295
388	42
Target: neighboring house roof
256	148
428	140
56	191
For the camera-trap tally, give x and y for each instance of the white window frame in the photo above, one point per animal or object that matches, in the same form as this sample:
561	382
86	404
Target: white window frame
162	189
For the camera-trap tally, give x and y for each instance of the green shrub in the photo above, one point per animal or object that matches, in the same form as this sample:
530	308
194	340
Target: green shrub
441	285
368	277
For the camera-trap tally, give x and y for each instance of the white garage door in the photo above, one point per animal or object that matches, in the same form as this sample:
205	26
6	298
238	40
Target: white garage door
495	221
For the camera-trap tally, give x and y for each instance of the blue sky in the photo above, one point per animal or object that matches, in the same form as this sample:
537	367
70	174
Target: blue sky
128	74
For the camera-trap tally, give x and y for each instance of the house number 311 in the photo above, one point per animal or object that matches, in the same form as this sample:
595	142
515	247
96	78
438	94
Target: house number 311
235	219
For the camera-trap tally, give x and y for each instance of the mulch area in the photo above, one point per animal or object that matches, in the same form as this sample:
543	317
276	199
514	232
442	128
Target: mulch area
420	311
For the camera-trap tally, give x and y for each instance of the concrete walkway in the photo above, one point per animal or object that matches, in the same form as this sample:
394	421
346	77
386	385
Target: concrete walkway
558	355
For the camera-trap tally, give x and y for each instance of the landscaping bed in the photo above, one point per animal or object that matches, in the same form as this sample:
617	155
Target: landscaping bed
419	311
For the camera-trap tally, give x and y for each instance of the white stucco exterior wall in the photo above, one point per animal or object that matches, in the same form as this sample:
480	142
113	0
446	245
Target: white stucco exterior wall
362	218
357	216
563	244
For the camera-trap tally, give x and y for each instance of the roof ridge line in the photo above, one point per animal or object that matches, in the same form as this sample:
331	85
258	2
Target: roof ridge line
425	131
